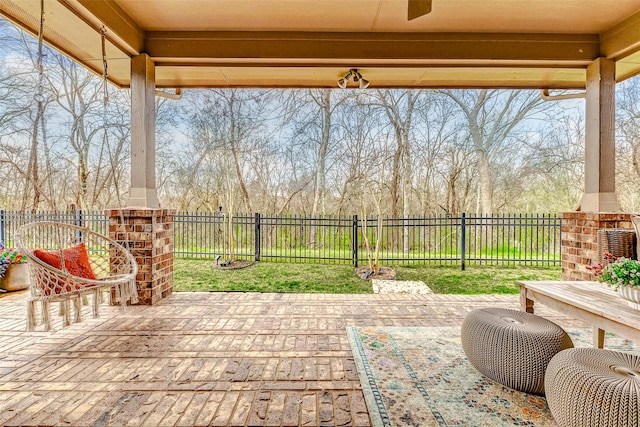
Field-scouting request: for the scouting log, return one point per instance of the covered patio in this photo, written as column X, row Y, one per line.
column 154, row 48
column 281, row 359
column 236, row 359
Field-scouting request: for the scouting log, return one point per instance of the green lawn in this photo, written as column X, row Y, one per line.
column 199, row 275
column 476, row 279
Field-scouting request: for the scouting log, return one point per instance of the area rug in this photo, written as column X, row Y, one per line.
column 419, row 376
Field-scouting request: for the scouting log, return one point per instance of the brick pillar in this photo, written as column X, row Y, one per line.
column 580, row 240
column 148, row 233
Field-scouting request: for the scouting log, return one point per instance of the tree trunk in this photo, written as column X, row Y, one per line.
column 320, row 180
column 33, row 170
column 486, row 199
column 400, row 118
column 407, row 176
column 233, row 141
column 243, row 186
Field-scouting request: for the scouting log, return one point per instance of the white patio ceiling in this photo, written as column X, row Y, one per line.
column 312, row 43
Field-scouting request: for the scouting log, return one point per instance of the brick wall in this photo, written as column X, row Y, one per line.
column 580, row 243
column 148, row 234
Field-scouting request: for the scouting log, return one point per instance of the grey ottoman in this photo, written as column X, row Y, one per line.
column 594, row 387
column 512, row 347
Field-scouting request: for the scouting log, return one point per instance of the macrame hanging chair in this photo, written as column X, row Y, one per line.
column 69, row 263
column 66, row 263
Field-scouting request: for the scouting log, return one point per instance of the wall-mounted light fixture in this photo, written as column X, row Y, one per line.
column 357, row 77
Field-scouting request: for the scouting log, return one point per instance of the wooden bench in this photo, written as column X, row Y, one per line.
column 593, row 302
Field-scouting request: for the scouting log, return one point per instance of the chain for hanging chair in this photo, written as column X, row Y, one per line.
column 105, row 65
column 38, row 97
column 132, row 293
column 105, row 115
column 40, row 90
column 39, row 122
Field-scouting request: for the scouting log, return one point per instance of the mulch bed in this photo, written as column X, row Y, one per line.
column 384, row 273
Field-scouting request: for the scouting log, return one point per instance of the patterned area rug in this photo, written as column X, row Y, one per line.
column 419, row 376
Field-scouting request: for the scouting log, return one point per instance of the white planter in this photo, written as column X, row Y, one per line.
column 15, row 278
column 631, row 294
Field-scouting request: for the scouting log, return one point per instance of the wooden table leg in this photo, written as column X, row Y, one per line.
column 598, row 337
column 526, row 304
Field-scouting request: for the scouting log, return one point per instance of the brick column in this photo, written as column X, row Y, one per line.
column 580, row 240
column 148, row 233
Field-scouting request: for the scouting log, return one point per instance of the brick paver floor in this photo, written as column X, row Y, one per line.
column 221, row 359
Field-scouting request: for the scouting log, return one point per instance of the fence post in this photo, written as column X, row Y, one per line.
column 257, row 237
column 79, row 218
column 2, row 225
column 354, row 240
column 463, row 239
column 78, row 221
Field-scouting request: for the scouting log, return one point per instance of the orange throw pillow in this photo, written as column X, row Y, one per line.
column 76, row 262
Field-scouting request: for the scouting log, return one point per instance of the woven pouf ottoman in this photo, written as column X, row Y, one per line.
column 512, row 347
column 594, row 387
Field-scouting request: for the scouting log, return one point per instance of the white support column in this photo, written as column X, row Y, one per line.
column 142, row 192
column 600, row 169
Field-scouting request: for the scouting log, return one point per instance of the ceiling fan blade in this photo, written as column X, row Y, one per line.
column 417, row 8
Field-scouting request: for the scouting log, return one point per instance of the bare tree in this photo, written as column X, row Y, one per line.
column 492, row 117
column 222, row 122
column 311, row 116
column 399, row 107
column 361, row 137
column 438, row 165
column 373, row 187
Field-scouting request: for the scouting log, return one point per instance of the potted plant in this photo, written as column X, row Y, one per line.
column 14, row 273
column 623, row 274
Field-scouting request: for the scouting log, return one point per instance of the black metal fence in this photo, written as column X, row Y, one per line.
column 528, row 239
column 10, row 221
